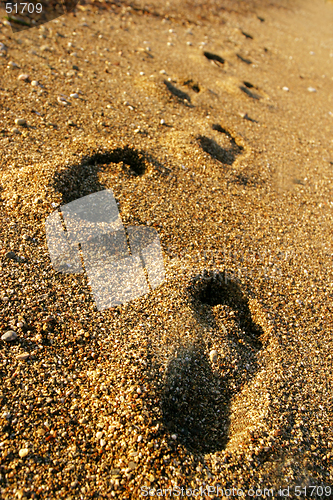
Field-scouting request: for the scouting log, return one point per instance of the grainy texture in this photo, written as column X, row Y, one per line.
column 214, row 126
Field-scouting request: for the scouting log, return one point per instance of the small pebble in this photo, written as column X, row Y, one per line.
column 312, row 89
column 213, row 356
column 24, row 452
column 23, row 76
column 12, row 65
column 75, row 95
column 11, row 255
column 286, row 89
column 20, row 121
column 162, row 122
column 3, row 47
column 99, row 435
column 23, row 356
column 174, row 436
column 15, row 130
column 62, row 100
column 9, row 336
column 34, row 83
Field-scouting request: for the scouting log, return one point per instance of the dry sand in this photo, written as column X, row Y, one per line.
column 214, row 126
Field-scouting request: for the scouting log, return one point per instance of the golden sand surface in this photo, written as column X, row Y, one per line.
column 212, row 123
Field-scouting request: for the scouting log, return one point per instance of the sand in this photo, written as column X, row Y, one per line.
column 211, row 125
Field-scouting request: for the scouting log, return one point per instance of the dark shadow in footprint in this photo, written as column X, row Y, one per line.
column 178, row 93
column 241, row 58
column 234, row 146
column 246, row 90
column 194, row 86
column 215, row 151
column 81, row 179
column 216, row 289
column 247, row 117
column 247, row 35
column 214, row 57
column 226, row 156
column 195, row 401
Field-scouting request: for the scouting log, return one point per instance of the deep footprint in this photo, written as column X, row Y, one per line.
column 215, row 58
column 197, row 390
column 182, row 96
column 195, row 401
column 224, row 155
column 245, row 88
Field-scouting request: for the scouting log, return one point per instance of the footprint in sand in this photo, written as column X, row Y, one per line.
column 198, row 387
column 227, row 149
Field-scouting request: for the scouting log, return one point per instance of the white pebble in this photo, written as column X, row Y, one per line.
column 162, row 122
column 74, row 96
column 9, row 336
column 139, row 390
column 6, row 23
column 174, row 436
column 312, row 89
column 23, row 356
column 24, row 452
column 286, row 89
column 62, row 100
column 213, row 356
column 34, row 83
column 142, row 73
column 102, row 442
column 23, row 76
column 189, row 43
column 12, row 65
column 163, row 72
column 99, row 435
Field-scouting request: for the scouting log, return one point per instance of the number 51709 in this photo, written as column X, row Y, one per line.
column 20, row 8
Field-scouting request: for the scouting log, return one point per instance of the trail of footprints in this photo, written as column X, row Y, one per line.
column 227, row 147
